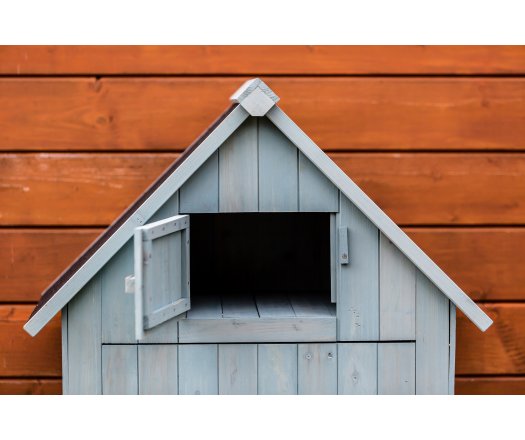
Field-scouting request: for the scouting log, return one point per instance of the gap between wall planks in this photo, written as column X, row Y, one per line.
column 72, row 114
column 495, row 352
column 93, row 189
column 261, row 60
column 89, row 114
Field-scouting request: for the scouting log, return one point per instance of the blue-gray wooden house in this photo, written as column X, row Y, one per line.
column 294, row 281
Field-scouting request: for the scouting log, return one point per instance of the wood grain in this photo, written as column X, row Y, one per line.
column 485, row 262
column 337, row 113
column 500, row 350
column 30, row 259
column 318, row 60
column 490, row 385
column 30, row 386
column 93, row 189
column 20, row 354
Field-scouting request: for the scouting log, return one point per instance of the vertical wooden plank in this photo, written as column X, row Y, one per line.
column 238, row 369
column 278, row 175
column 358, row 281
column 158, row 369
column 432, row 338
column 65, row 357
column 119, row 369
column 397, row 294
column 277, row 369
column 317, row 368
column 396, row 368
column 118, row 307
column 238, row 180
column 198, row 369
column 201, row 192
column 357, row 368
column 452, row 349
column 166, row 332
column 85, row 340
column 316, row 192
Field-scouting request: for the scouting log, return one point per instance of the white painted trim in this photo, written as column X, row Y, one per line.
column 255, row 96
column 144, row 212
column 378, row 217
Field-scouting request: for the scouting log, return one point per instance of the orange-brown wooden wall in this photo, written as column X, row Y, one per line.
column 435, row 135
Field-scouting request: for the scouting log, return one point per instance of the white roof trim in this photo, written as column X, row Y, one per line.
column 379, row 218
column 255, row 96
column 82, row 276
column 197, row 158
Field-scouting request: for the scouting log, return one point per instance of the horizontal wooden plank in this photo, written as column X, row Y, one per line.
column 337, row 113
column 257, row 330
column 317, row 60
column 20, row 354
column 500, row 350
column 490, row 385
column 78, row 189
column 30, row 259
column 30, row 386
column 485, row 262
column 93, row 189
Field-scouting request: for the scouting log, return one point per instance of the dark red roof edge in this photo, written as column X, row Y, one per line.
column 106, row 235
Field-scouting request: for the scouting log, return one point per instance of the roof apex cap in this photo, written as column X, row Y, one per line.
column 255, row 96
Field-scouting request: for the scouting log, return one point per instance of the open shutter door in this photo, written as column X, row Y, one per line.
column 162, row 272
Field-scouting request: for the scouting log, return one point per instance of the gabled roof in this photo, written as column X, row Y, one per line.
column 254, row 98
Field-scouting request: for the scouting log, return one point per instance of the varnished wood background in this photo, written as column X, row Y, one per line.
column 436, row 135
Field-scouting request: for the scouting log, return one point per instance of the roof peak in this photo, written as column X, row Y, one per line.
column 255, row 97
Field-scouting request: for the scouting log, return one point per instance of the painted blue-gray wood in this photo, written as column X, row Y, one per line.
column 168, row 331
column 432, row 338
column 238, row 169
column 396, row 368
column 274, row 306
column 452, row 349
column 277, row 369
column 397, row 294
column 317, row 368
column 349, row 189
column 238, row 369
column 158, row 369
column 198, row 369
column 162, row 194
column 205, row 308
column 255, row 96
column 316, row 192
column 118, row 307
column 65, row 356
column 278, row 174
column 165, row 270
column 257, row 330
column 358, row 284
column 306, row 307
column 357, row 368
column 85, row 340
column 119, row 369
column 201, row 192
column 239, row 307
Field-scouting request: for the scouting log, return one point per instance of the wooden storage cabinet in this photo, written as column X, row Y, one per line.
column 309, row 368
